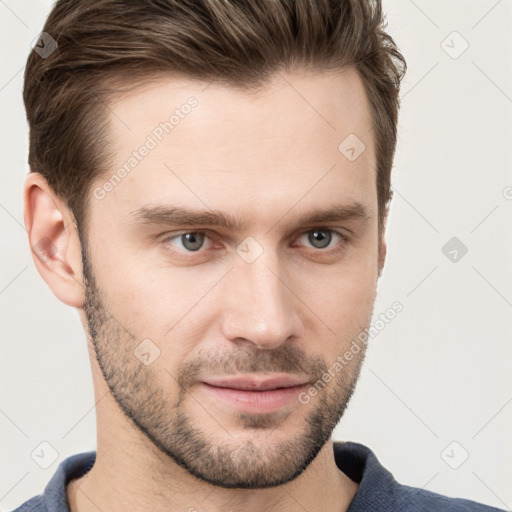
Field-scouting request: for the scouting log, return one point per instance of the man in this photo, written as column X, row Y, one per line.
column 209, row 187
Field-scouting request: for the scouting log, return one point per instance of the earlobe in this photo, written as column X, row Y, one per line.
column 54, row 240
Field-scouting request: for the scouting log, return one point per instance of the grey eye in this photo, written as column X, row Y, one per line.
column 320, row 238
column 192, row 241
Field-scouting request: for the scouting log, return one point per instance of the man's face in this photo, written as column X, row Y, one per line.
column 195, row 326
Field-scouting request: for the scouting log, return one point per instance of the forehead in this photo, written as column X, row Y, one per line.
column 301, row 137
column 337, row 99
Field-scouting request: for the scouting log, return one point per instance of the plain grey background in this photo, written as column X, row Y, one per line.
column 435, row 397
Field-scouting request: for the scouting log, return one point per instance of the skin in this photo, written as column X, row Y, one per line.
column 266, row 158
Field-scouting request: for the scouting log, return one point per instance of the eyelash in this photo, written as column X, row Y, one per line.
column 344, row 240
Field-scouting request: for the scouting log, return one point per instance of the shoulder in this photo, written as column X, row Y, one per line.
column 423, row 501
column 379, row 491
column 54, row 497
column 35, row 504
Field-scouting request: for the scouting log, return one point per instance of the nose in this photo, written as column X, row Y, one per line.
column 261, row 308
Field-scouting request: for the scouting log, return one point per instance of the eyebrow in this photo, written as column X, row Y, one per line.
column 175, row 215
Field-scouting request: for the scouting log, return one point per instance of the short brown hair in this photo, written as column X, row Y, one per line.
column 106, row 47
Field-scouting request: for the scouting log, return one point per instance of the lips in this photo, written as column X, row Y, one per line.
column 257, row 383
column 257, row 394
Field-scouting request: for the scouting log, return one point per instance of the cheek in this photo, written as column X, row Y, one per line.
column 161, row 303
column 342, row 296
column 345, row 309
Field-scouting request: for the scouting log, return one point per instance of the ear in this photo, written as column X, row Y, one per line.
column 54, row 241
